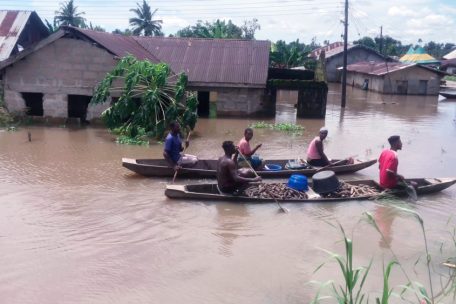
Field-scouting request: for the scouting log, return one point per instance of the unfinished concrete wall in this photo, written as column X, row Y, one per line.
column 388, row 84
column 353, row 56
column 240, row 101
column 66, row 66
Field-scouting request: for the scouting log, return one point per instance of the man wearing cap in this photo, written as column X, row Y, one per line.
column 388, row 163
column 315, row 154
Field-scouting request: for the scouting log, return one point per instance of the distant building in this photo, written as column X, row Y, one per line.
column 57, row 76
column 449, row 66
column 419, row 56
column 395, row 78
column 450, row 55
column 19, row 30
column 355, row 53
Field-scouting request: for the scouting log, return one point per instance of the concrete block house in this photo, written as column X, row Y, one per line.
column 395, row 78
column 334, row 54
column 57, row 76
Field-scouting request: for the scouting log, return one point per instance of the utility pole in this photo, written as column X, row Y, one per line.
column 381, row 40
column 344, row 71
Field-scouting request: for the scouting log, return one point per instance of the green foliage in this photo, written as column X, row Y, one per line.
column 150, row 99
column 450, row 78
column 284, row 127
column 221, row 29
column 297, row 84
column 290, row 55
column 354, row 278
column 126, row 32
column 69, row 15
column 144, row 23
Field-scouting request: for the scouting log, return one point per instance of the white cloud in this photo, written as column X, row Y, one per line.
column 401, row 11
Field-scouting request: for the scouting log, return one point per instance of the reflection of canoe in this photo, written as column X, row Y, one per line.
column 448, row 95
column 210, row 191
column 207, row 168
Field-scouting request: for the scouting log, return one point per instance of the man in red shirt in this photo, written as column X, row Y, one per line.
column 388, row 163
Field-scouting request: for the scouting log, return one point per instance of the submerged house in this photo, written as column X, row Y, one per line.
column 450, row 55
column 395, row 78
column 19, row 30
column 57, row 76
column 355, row 53
column 449, row 66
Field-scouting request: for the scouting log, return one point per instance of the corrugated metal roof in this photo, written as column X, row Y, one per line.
column 450, row 55
column 418, row 55
column 11, row 25
column 327, row 48
column 227, row 61
column 119, row 45
column 383, row 68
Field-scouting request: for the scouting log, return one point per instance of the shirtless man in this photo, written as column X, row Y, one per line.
column 315, row 154
column 229, row 179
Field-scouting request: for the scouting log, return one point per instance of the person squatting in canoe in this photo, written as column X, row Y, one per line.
column 173, row 148
column 388, row 163
column 247, row 151
column 315, row 152
column 229, row 179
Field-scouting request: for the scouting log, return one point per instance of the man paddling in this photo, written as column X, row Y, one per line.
column 229, row 179
column 246, row 150
column 388, row 164
column 173, row 148
column 315, row 154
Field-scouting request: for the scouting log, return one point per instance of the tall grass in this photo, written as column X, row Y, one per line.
column 350, row 291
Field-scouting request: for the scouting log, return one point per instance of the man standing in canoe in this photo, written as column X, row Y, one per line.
column 315, row 154
column 229, row 179
column 173, row 148
column 388, row 163
column 245, row 149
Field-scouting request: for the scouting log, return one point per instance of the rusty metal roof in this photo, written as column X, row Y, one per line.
column 12, row 24
column 383, row 68
column 118, row 45
column 213, row 61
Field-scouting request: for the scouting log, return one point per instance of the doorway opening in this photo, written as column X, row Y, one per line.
column 34, row 103
column 77, row 106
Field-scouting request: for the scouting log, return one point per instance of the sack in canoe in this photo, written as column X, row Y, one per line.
column 187, row 160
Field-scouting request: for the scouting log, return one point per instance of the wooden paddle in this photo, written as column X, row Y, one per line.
column 410, row 190
column 282, row 209
column 177, row 170
column 335, row 163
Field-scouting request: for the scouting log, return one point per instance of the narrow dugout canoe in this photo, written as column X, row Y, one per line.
column 448, row 95
column 210, row 191
column 205, row 168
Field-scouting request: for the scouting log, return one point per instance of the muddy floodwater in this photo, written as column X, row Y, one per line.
column 76, row 227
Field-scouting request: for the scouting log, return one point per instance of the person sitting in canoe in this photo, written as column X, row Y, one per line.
column 173, row 148
column 388, row 163
column 315, row 154
column 229, row 179
column 246, row 150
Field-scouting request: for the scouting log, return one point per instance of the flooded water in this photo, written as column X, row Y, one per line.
column 76, row 227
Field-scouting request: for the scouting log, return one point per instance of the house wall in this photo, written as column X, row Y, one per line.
column 237, row 101
column 353, row 56
column 65, row 66
column 388, row 84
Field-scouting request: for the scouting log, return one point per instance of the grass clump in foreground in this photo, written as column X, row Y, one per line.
column 352, row 291
column 284, row 127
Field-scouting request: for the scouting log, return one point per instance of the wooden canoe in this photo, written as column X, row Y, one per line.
column 207, row 168
column 448, row 95
column 210, row 191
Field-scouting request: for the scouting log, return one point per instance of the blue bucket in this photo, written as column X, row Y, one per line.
column 255, row 160
column 273, row 167
column 298, row 182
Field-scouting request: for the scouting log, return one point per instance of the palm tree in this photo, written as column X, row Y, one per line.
column 68, row 15
column 143, row 22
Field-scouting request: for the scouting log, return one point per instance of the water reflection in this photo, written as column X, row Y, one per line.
column 75, row 226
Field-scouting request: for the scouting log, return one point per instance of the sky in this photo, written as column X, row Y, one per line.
column 406, row 20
